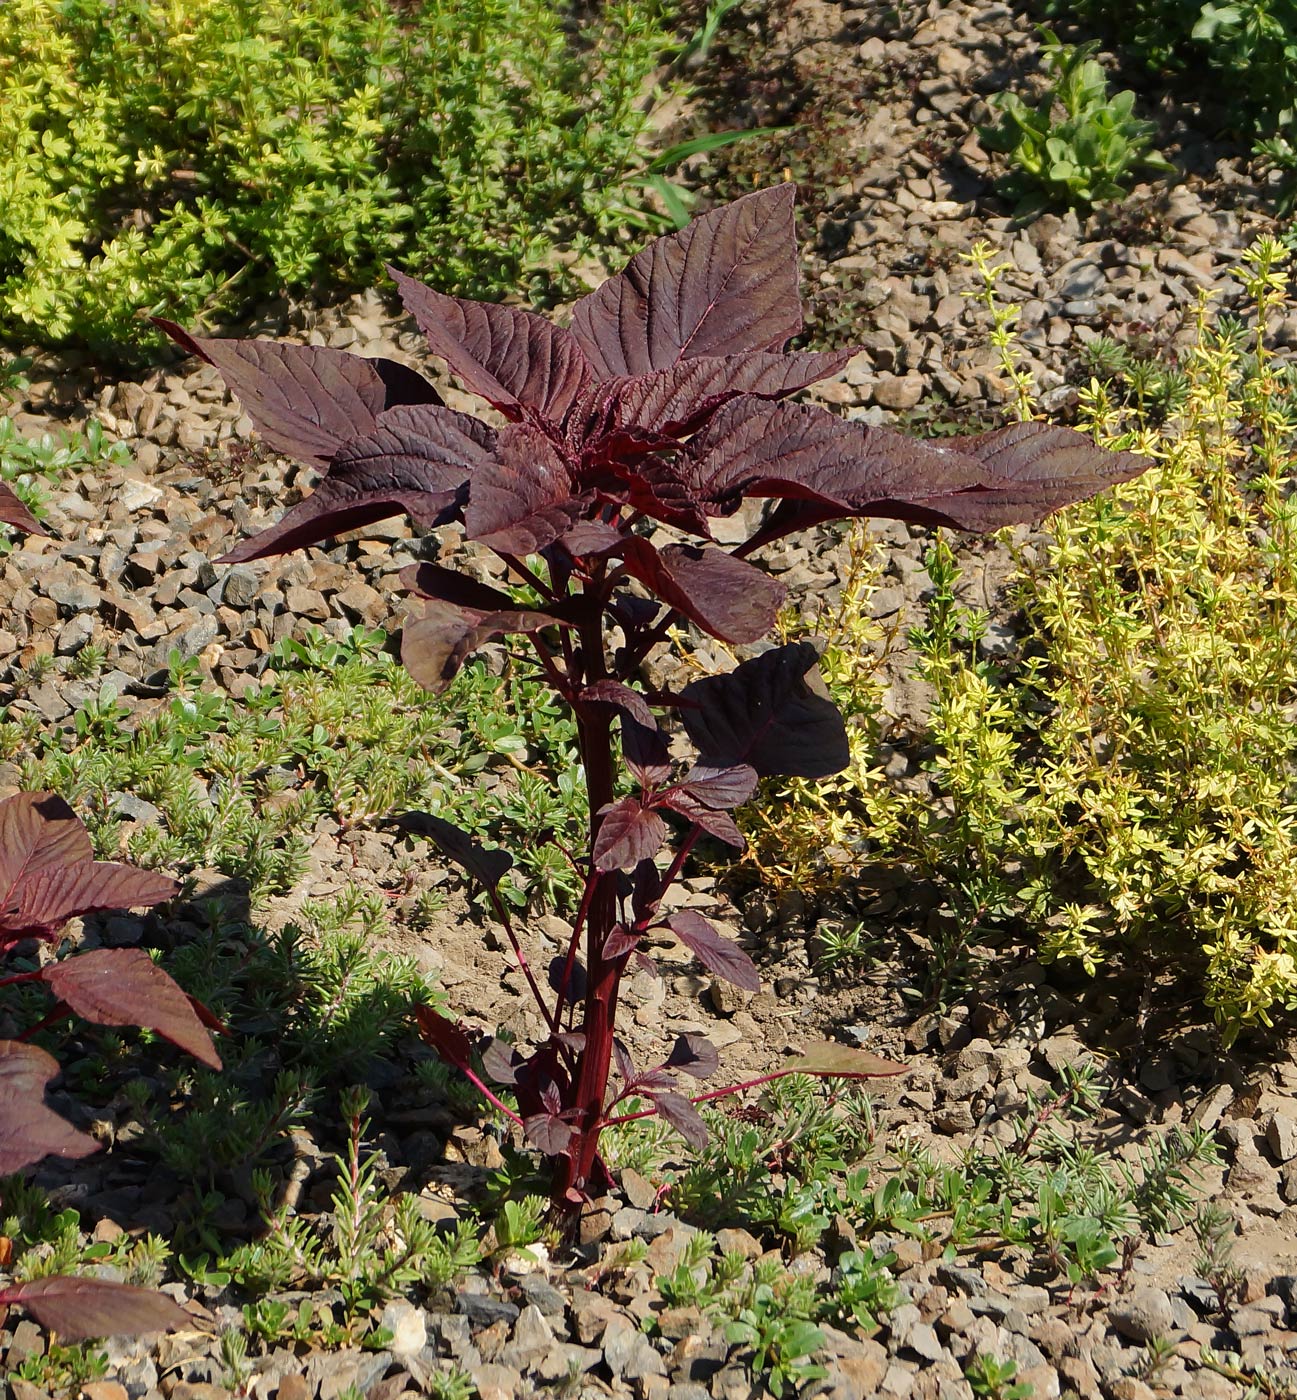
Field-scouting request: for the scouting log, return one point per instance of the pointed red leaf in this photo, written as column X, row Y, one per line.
column 78, row 1308
column 725, row 285
column 48, row 872
column 440, row 637
column 624, row 698
column 48, row 899
column 307, row 400
column 124, row 987
column 726, row 597
column 683, row 1117
column 38, row 830
column 14, row 512
column 619, row 942
column 508, row 356
column 717, row 954
column 451, row 586
column 589, row 538
column 445, row 1037
column 488, row 867
column 501, row 1061
column 625, row 1065
column 29, row 1130
column 547, row 1133
column 722, row 788
column 694, row 1055
column 1033, row 469
column 645, row 752
column 831, row 468
column 417, row 461
column 673, row 401
column 835, row 1061
column 628, row 834
column 718, row 824
column 770, row 712
column 523, row 500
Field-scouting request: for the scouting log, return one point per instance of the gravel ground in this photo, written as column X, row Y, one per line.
column 132, row 571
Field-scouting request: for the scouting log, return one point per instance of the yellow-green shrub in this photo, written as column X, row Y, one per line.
column 1128, row 791
column 804, row 835
column 188, row 155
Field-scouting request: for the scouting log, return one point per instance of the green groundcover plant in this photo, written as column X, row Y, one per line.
column 1239, row 54
column 1079, row 144
column 663, row 406
column 190, row 156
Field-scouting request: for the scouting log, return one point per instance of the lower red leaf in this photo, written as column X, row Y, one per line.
column 78, row 1308
column 125, row 987
column 29, row 1130
column 445, row 1037
column 717, row 954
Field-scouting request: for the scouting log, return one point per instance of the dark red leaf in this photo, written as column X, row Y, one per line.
column 13, row 512
column 501, row 1061
column 834, row 1061
column 725, row 285
column 48, row 899
column 48, row 873
column 124, row 987
column 830, row 468
column 417, row 462
column 508, row 356
column 768, row 712
column 437, row 639
column 723, row 595
column 722, row 788
column 716, row 953
column 574, row 989
column 523, row 500
column 307, row 401
column 624, row 698
column 718, row 824
column 78, row 1308
column 1035, row 468
column 29, row 1130
column 674, row 401
column 628, row 834
column 547, row 1133
column 625, row 1065
column 590, row 538
column 445, row 1037
column 694, row 1055
column 683, row 1117
column 655, row 488
column 488, row 867
column 38, row 830
column 619, row 942
column 645, row 752
column 655, row 1081
column 450, row 586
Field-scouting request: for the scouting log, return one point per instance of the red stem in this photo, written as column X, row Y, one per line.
column 603, row 976
column 703, row 1098
column 551, row 1017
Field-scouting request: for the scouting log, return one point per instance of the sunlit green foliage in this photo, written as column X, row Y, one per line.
column 188, row 156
